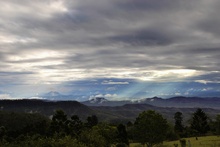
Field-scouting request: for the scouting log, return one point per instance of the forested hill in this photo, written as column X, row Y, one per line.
column 130, row 111
column 46, row 108
column 125, row 113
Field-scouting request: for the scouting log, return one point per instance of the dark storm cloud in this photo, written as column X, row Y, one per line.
column 86, row 24
column 144, row 37
column 149, row 5
column 210, row 23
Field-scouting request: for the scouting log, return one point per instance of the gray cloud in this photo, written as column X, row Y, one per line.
column 144, row 37
column 68, row 40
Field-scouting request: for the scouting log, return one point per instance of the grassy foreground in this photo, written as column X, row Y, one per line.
column 208, row 141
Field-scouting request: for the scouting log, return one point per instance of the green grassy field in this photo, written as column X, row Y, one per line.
column 208, row 141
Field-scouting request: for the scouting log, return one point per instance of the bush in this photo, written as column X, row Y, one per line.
column 183, row 142
column 121, row 145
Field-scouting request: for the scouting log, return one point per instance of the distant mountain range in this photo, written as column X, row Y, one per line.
column 112, row 111
column 176, row 102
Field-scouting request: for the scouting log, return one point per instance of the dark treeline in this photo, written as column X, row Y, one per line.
column 150, row 128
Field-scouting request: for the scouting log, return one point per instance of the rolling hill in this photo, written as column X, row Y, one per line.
column 113, row 114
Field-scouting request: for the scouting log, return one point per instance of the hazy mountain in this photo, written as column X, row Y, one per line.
column 100, row 101
column 177, row 102
column 97, row 100
column 52, row 94
column 56, row 96
column 183, row 102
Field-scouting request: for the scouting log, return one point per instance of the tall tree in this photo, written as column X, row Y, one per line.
column 217, row 125
column 150, row 128
column 122, row 136
column 199, row 122
column 2, row 132
column 178, row 123
column 75, row 126
column 59, row 122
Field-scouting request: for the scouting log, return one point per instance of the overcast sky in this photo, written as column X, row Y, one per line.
column 47, row 44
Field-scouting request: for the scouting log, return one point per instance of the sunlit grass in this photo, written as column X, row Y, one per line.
column 208, row 141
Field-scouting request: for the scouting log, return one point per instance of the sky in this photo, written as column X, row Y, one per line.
column 118, row 49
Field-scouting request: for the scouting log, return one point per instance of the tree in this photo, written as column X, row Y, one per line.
column 59, row 122
column 150, row 128
column 101, row 135
column 92, row 138
column 92, row 121
column 199, row 122
column 129, row 128
column 178, row 127
column 171, row 134
column 122, row 136
column 217, row 125
column 2, row 132
column 17, row 123
column 178, row 122
column 75, row 126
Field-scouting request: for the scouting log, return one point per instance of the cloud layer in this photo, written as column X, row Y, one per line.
column 50, row 43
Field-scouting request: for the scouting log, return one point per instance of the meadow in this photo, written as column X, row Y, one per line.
column 207, row 141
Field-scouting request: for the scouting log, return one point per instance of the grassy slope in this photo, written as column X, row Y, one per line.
column 208, row 141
